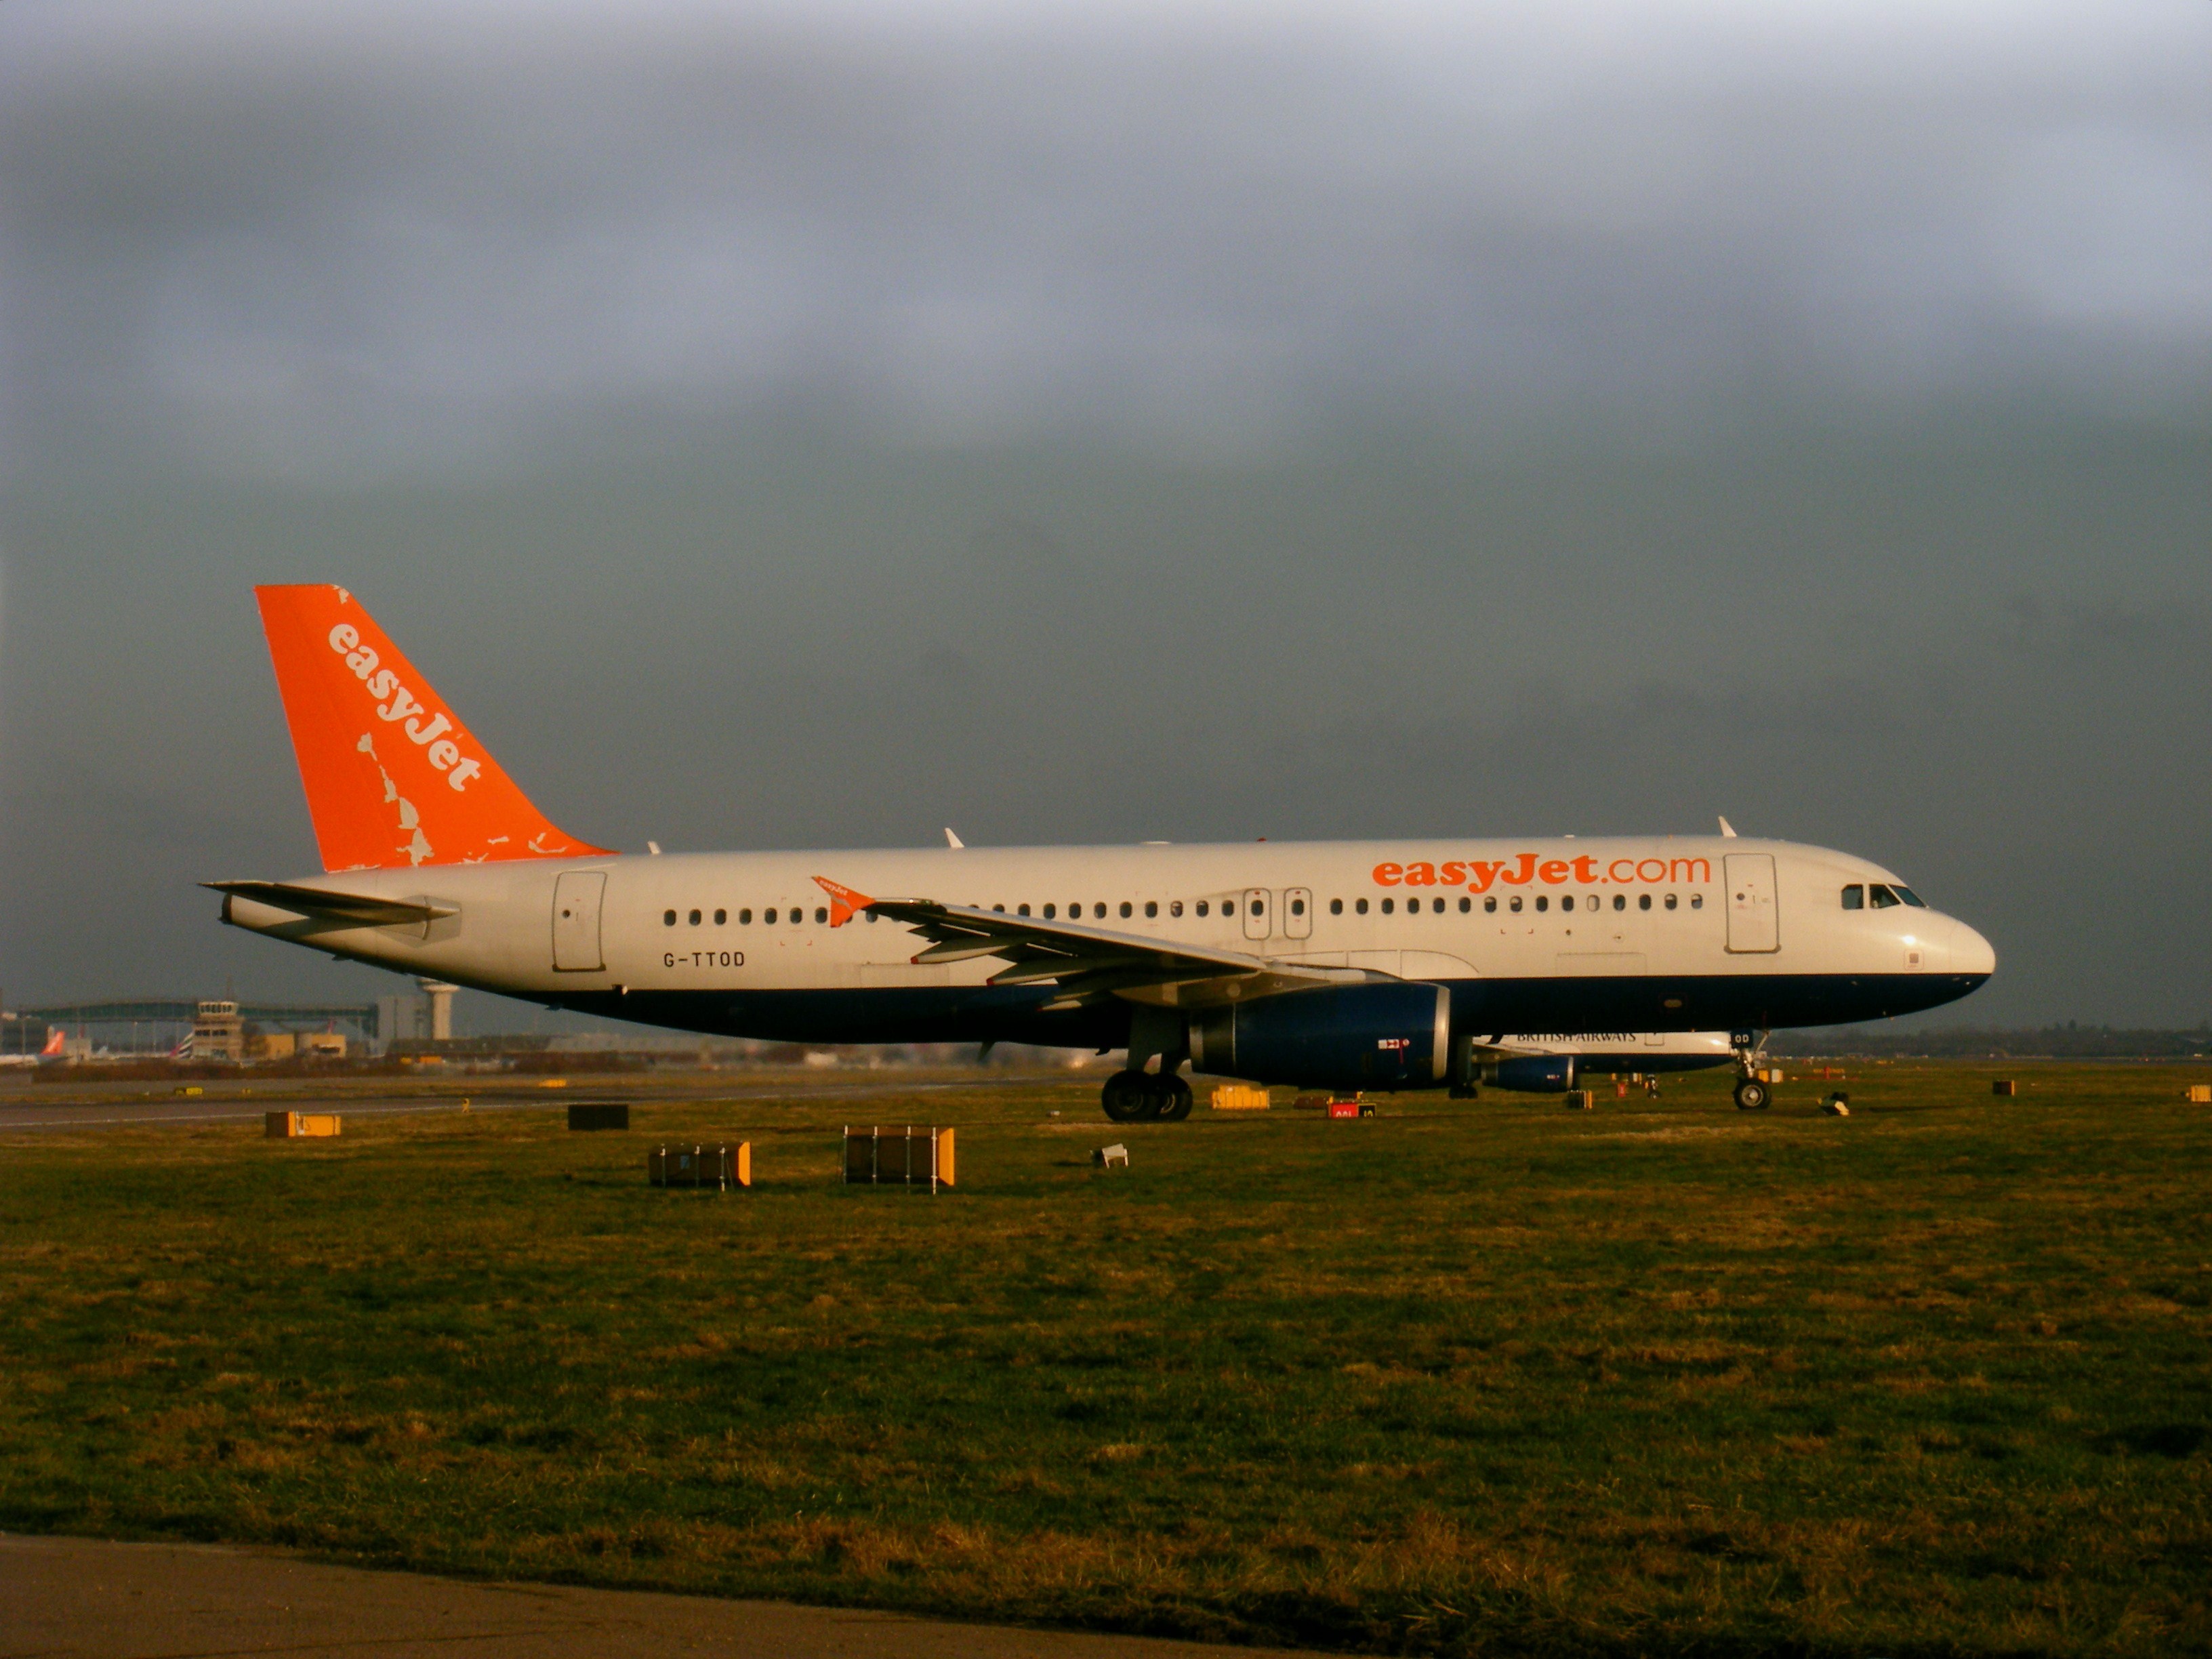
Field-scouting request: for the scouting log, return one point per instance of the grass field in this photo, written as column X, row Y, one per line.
column 1481, row 1377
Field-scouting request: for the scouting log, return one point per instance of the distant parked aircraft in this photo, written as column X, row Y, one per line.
column 1551, row 1061
column 52, row 1051
column 1380, row 965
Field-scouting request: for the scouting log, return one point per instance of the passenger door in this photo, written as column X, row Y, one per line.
column 576, row 898
column 1752, row 925
column 1257, row 923
column 1297, row 912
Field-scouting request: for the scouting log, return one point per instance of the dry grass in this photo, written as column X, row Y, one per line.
column 1487, row 1378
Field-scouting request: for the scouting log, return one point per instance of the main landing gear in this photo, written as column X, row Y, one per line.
column 1145, row 1097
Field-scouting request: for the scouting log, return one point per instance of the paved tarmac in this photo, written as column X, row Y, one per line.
column 48, row 1107
column 92, row 1600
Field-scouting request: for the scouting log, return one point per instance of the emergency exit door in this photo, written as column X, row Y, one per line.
column 1256, row 922
column 576, row 897
column 1752, row 925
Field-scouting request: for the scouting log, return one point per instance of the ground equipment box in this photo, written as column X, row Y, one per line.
column 719, row 1167
column 1239, row 1097
column 294, row 1126
column 907, row 1156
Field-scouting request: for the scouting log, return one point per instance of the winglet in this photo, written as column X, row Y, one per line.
column 953, row 841
column 1728, row 829
column 844, row 903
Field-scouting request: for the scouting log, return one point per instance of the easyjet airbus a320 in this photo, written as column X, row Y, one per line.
column 1380, row 965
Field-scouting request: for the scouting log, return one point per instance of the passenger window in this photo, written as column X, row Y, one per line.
column 1297, row 907
column 1911, row 897
column 1882, row 897
column 721, row 918
column 1854, row 896
column 1021, row 910
column 768, row 916
column 1436, row 905
column 695, row 918
column 1696, row 901
column 746, row 917
column 1099, row 911
column 1465, row 904
column 1620, row 901
column 1516, row 902
column 1336, row 906
column 1152, row 909
column 1543, row 900
column 1126, row 910
column 1670, row 901
column 1000, row 908
column 1229, row 907
column 1258, row 906
column 1175, row 907
column 668, row 918
column 1201, row 906
column 1490, row 905
column 1389, row 906
column 1050, row 911
column 1567, row 901
column 1643, row 901
column 1360, row 905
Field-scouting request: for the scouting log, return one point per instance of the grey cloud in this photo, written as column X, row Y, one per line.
column 362, row 246
column 818, row 424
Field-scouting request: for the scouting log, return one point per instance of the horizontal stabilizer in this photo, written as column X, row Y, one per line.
column 360, row 909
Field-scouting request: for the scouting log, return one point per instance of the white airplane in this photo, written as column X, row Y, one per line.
column 1550, row 1062
column 55, row 1037
column 1374, row 965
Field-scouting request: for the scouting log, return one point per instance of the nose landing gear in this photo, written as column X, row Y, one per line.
column 1752, row 1094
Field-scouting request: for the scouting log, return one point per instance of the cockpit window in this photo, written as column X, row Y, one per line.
column 1882, row 897
column 1854, row 896
column 1911, row 897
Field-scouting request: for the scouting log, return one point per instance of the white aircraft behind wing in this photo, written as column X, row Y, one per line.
column 1549, row 1062
column 1377, row 965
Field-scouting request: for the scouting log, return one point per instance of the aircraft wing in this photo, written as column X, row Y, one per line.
column 356, row 909
column 1083, row 963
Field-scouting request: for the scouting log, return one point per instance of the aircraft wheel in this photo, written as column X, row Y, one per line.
column 1751, row 1095
column 1174, row 1098
column 1128, row 1097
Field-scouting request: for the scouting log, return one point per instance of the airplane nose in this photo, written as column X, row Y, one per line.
column 1970, row 952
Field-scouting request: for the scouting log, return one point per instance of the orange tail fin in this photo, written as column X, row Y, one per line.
column 392, row 776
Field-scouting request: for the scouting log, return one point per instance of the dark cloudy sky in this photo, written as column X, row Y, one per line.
column 814, row 424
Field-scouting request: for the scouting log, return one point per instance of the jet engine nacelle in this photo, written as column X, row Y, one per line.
column 1533, row 1074
column 1348, row 1036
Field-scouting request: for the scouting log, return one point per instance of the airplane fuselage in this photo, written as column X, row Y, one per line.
column 1634, row 934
